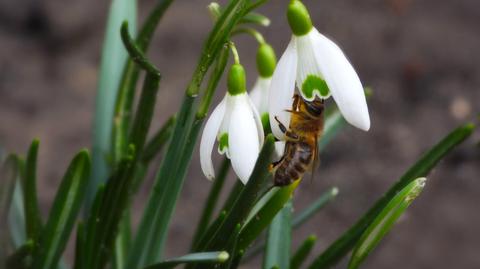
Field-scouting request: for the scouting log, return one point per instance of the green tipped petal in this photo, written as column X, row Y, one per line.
column 299, row 18
column 236, row 80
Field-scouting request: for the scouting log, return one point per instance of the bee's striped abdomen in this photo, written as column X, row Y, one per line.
column 297, row 159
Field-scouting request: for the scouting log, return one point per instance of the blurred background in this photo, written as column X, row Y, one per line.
column 420, row 57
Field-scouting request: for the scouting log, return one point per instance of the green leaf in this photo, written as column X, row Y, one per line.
column 158, row 141
column 302, row 252
column 119, row 187
column 79, row 246
column 264, row 212
column 279, row 237
column 16, row 217
column 113, row 59
column 384, row 222
column 297, row 221
column 63, row 214
column 233, row 195
column 314, row 207
column 9, row 172
column 211, row 201
column 420, row 169
column 246, row 200
column 32, row 212
column 201, row 257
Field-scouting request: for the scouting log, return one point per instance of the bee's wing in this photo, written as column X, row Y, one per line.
column 316, row 160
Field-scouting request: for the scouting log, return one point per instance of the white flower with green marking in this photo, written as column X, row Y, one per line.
column 236, row 125
column 318, row 68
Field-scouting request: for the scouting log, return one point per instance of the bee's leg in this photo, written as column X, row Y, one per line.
column 290, row 136
column 296, row 102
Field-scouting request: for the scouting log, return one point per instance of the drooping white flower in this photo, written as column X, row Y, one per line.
column 237, row 126
column 318, row 67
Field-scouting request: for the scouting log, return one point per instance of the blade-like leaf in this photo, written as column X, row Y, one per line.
column 32, row 213
column 314, row 207
column 158, row 141
column 211, row 201
column 66, row 207
column 9, row 172
column 201, row 257
column 119, row 187
column 279, row 237
column 264, row 212
column 114, row 57
column 245, row 201
column 297, row 221
column 420, row 169
column 384, row 222
column 302, row 252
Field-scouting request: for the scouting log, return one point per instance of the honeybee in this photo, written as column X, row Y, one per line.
column 306, row 126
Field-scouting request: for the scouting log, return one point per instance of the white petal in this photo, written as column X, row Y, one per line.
column 279, row 150
column 258, row 121
column 343, row 82
column 260, row 94
column 282, row 88
column 307, row 63
column 208, row 139
column 243, row 138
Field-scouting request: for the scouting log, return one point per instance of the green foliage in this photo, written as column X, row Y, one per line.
column 201, row 257
column 279, row 237
column 420, row 169
column 65, row 209
column 384, row 222
column 302, row 252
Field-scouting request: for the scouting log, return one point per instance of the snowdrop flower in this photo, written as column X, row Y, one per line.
column 266, row 61
column 319, row 68
column 236, row 125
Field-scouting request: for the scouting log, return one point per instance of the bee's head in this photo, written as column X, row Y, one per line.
column 314, row 108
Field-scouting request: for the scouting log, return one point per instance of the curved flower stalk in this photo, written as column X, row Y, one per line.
column 237, row 126
column 319, row 68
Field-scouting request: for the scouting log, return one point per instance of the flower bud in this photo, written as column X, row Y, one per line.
column 266, row 60
column 299, row 18
column 236, row 80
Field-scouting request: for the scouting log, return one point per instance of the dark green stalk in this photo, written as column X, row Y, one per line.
column 62, row 217
column 32, row 212
column 211, row 201
column 302, row 252
column 118, row 188
column 420, row 169
column 314, row 207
